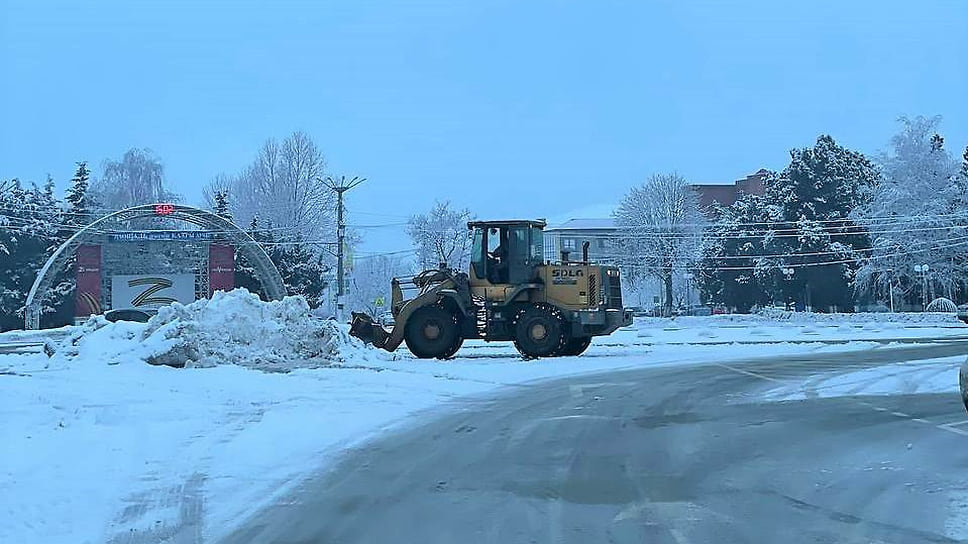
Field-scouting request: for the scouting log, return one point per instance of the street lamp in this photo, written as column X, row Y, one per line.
column 890, row 288
column 922, row 270
column 788, row 276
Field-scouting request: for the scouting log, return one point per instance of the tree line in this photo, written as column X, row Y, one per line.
column 833, row 230
column 279, row 198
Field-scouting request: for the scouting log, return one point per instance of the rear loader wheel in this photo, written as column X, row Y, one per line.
column 432, row 332
column 576, row 346
column 539, row 332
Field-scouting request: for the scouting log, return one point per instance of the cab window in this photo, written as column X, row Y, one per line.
column 477, row 254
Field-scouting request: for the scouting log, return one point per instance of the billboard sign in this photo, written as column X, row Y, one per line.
column 87, row 294
column 221, row 268
column 148, row 291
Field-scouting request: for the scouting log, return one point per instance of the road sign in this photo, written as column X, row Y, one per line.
column 380, row 302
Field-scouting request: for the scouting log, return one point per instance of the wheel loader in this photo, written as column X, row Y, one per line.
column 509, row 294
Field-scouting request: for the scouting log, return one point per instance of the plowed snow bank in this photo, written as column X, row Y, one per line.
column 232, row 328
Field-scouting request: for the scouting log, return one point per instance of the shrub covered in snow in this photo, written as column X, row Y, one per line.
column 232, row 328
column 942, row 305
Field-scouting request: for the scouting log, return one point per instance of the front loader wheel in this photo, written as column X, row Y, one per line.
column 458, row 342
column 432, row 332
column 576, row 346
column 539, row 332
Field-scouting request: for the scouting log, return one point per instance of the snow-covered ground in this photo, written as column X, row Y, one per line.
column 792, row 327
column 908, row 378
column 96, row 444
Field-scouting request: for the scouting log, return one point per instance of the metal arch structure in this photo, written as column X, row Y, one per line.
column 265, row 270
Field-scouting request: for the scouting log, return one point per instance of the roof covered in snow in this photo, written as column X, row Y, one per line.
column 585, row 224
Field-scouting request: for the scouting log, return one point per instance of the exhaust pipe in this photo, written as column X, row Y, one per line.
column 584, row 251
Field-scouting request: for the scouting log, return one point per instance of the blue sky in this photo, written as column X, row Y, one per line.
column 512, row 108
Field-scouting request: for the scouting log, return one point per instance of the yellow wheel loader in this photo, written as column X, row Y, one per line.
column 509, row 294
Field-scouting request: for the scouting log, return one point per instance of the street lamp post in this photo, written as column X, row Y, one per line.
column 922, row 270
column 689, row 276
column 788, row 276
column 890, row 288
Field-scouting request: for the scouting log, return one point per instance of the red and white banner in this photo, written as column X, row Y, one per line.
column 221, row 268
column 87, row 293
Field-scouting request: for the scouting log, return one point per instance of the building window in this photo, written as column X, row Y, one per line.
column 568, row 244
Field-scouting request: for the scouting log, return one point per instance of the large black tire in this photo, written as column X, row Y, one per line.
column 576, row 346
column 453, row 349
column 539, row 332
column 432, row 332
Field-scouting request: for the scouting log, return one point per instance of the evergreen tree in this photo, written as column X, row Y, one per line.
column 303, row 271
column 735, row 271
column 48, row 194
column 29, row 232
column 78, row 199
column 807, row 248
column 222, row 206
column 964, row 164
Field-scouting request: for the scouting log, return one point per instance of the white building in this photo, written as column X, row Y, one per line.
column 572, row 234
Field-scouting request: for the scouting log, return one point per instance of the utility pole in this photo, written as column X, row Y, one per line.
column 339, row 186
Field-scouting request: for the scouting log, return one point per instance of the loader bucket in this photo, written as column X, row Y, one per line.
column 364, row 328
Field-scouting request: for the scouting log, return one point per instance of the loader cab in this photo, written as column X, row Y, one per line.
column 506, row 252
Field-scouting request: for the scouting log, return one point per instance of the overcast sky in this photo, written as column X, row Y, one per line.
column 513, row 108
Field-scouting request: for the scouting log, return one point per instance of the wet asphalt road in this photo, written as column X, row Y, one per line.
column 666, row 455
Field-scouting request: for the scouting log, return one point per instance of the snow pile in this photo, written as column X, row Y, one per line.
column 232, row 328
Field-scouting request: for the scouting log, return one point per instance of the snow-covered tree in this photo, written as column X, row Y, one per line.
column 283, row 198
column 736, row 271
column 283, row 185
column 221, row 207
column 30, row 229
column 964, row 164
column 370, row 281
column 78, row 199
column 138, row 178
column 303, row 270
column 441, row 236
column 818, row 191
column 797, row 243
column 916, row 217
column 660, row 226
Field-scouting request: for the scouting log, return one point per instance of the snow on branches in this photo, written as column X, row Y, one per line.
column 441, row 236
column 660, row 228
column 916, row 216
